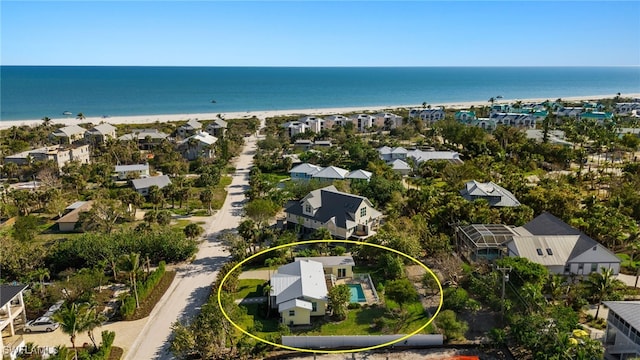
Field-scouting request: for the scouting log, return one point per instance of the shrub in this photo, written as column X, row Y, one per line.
column 128, row 307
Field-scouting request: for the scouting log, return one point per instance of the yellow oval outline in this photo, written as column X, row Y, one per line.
column 219, row 292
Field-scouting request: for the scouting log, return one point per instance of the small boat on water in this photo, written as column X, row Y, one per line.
column 67, row 113
column 213, row 101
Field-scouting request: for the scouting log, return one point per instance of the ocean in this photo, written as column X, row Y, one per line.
column 33, row 92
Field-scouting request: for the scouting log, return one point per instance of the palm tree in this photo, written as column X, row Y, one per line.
column 206, row 197
column 266, row 291
column 492, row 100
column 46, row 121
column 41, row 274
column 603, row 286
column 92, row 320
column 71, row 322
column 131, row 264
column 80, row 116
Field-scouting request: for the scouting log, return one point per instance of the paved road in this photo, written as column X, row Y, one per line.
column 192, row 284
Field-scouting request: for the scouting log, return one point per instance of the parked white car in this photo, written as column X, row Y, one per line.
column 42, row 323
column 55, row 307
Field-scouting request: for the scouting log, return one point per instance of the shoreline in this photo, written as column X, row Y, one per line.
column 261, row 114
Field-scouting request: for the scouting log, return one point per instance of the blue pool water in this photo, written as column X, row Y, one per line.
column 357, row 295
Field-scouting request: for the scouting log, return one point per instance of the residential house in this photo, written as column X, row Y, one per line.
column 338, row 266
column 303, row 144
column 465, row 116
column 343, row 214
column 400, row 166
column 12, row 313
column 304, row 171
column 60, row 155
column 142, row 185
column 308, row 171
column 190, row 128
column 514, row 119
column 495, row 195
column 625, row 109
column 100, row 133
column 322, row 144
column 299, row 291
column 315, row 124
column 622, row 337
column 562, row 249
column 199, row 145
column 68, row 134
column 330, row 173
column 555, row 137
column 295, row 127
column 387, row 121
column 362, row 122
column 568, row 111
column 359, row 175
column 390, row 154
column 217, row 128
column 419, row 156
column 146, row 138
column 500, row 108
column 335, row 120
column 598, row 116
column 134, row 171
column 428, row 115
column 71, row 215
column 484, row 123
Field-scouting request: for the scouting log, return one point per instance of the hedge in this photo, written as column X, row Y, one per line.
column 128, row 307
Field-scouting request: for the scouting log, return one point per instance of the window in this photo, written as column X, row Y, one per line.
column 314, row 306
column 307, row 208
column 292, row 313
column 342, row 273
column 594, row 267
column 580, row 268
column 549, row 252
column 363, row 212
column 539, row 251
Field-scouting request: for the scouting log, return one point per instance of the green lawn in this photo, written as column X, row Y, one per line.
column 256, row 322
column 363, row 322
column 249, row 288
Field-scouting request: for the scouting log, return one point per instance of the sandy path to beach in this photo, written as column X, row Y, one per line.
column 146, row 119
column 192, row 284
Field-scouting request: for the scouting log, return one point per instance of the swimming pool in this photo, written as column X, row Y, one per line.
column 357, row 295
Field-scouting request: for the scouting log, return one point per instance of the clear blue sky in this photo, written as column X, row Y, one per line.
column 302, row 33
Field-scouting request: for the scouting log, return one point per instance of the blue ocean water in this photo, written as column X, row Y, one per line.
column 32, row 92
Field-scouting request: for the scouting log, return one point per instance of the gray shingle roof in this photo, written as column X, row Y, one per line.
column 8, row 292
column 330, row 203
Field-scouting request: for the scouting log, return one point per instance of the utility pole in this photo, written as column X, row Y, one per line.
column 505, row 277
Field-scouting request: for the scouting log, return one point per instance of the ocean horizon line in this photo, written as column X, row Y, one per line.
column 333, row 66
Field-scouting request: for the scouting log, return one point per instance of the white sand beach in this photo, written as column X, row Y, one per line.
column 146, row 119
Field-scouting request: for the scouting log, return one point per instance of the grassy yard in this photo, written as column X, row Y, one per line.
column 249, row 288
column 255, row 321
column 375, row 320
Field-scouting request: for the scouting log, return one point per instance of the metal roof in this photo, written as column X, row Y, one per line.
column 294, row 303
column 8, row 292
column 629, row 311
column 330, row 260
column 134, row 167
column 496, row 195
column 302, row 278
column 546, row 250
column 331, row 172
column 159, row 181
column 306, row 168
column 359, row 174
